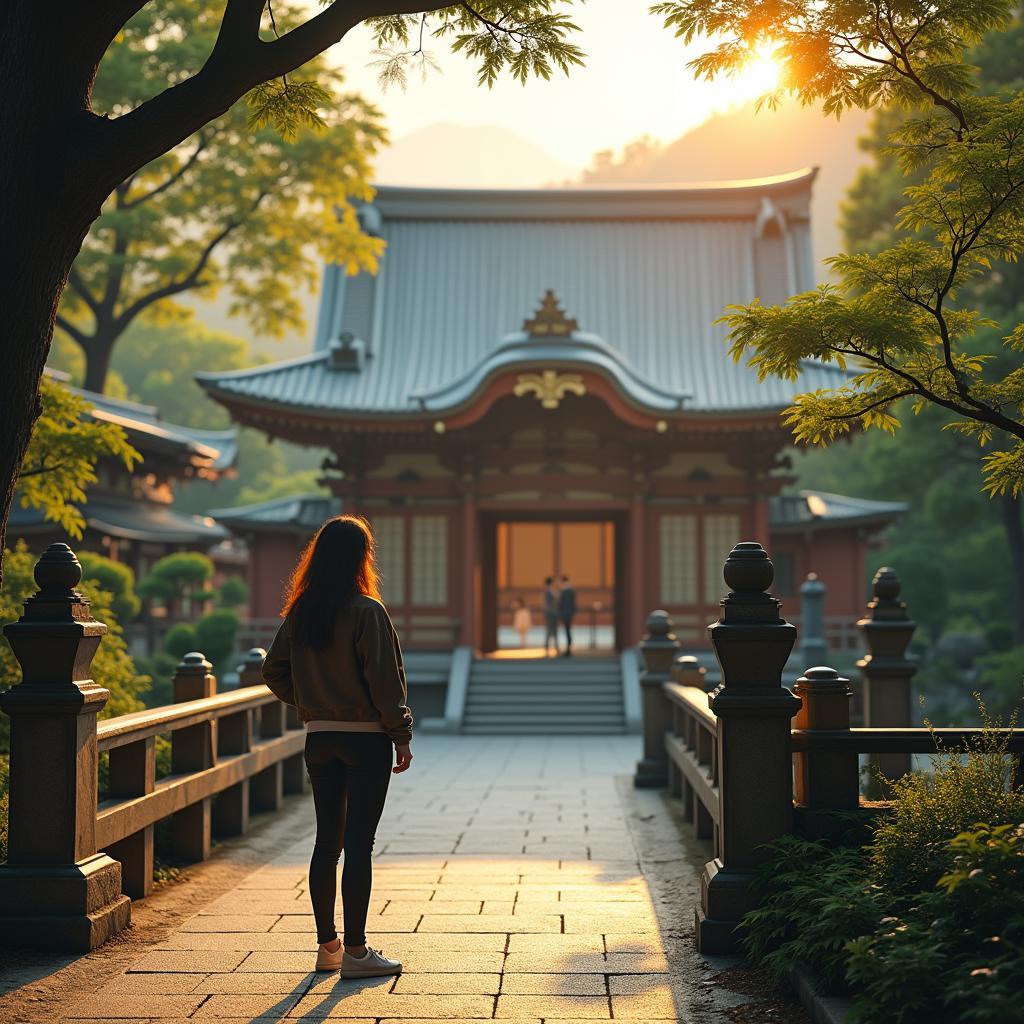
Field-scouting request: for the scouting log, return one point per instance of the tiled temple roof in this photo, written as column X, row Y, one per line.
column 809, row 508
column 645, row 272
column 129, row 520
column 302, row 513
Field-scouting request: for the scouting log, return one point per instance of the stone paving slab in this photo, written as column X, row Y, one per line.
column 506, row 880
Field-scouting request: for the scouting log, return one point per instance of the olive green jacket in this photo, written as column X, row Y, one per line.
column 360, row 677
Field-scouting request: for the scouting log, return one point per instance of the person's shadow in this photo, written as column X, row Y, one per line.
column 334, row 988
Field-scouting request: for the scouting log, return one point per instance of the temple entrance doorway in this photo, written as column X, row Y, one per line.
column 521, row 553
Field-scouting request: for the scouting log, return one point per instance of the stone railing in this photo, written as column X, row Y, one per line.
column 750, row 754
column 74, row 864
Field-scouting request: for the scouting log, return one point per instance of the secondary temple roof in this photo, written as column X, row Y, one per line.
column 643, row 272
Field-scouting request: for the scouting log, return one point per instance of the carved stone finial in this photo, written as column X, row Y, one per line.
column 550, row 320
column 58, row 571
column 886, row 585
column 659, row 624
column 193, row 663
column 748, row 568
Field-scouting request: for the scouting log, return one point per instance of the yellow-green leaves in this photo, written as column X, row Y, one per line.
column 62, row 454
column 288, row 106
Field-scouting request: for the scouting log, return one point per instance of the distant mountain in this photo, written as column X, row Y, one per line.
column 747, row 144
column 462, row 156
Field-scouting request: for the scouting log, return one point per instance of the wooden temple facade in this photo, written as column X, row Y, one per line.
column 534, row 383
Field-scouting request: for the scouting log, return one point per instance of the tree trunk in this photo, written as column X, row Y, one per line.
column 46, row 206
column 98, row 351
column 1015, row 543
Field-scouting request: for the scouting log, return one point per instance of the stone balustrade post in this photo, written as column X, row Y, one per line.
column 57, row 892
column 755, row 766
column 250, row 672
column 887, row 630
column 813, row 647
column 657, row 651
column 193, row 749
column 825, row 780
column 688, row 671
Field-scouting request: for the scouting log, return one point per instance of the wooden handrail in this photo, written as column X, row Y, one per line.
column 138, row 725
column 896, row 741
column 693, row 701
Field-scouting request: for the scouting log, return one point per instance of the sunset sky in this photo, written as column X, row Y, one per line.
column 635, row 83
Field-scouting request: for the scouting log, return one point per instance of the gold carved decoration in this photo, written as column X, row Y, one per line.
column 549, row 386
column 550, row 320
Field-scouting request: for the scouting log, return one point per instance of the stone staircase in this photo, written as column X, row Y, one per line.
column 545, row 696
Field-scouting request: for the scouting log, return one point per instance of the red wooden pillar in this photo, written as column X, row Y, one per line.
column 468, row 635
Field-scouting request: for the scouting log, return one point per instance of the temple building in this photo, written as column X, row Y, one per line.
column 535, row 383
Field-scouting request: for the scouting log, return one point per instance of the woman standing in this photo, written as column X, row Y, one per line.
column 337, row 660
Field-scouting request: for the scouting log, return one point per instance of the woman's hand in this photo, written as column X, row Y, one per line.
column 403, row 758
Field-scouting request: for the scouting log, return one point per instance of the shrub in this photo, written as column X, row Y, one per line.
column 232, row 593
column 4, row 765
column 910, row 848
column 174, row 575
column 215, row 634
column 116, row 579
column 957, row 951
column 814, row 899
column 180, row 640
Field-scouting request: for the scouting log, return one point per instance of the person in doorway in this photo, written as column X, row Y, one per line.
column 338, row 661
column 567, row 611
column 521, row 620
column 550, row 616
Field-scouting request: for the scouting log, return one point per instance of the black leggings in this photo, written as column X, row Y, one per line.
column 350, row 772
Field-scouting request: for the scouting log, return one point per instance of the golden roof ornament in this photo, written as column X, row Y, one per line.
column 550, row 320
column 549, row 386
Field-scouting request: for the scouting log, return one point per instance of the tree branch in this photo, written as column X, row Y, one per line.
column 239, row 61
column 78, row 286
column 182, row 170
column 72, row 332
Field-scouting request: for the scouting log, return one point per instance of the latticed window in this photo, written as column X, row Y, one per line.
column 678, row 550
column 721, row 534
column 429, row 560
column 389, row 532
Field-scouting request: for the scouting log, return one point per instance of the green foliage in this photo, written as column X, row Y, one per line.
column 176, row 576
column 897, row 319
column 956, row 953
column 965, row 786
column 112, row 667
column 215, row 635
column 155, row 364
column 522, row 37
column 117, row 579
column 813, row 898
column 180, row 640
column 232, row 593
column 4, row 785
column 256, row 198
column 62, row 454
column 267, row 486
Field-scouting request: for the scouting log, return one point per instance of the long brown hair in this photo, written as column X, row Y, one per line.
column 336, row 565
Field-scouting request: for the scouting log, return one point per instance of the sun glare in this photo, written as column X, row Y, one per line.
column 759, row 75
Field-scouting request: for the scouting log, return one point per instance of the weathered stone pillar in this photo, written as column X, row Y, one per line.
column 887, row 630
column 813, row 648
column 688, row 671
column 657, row 650
column 825, row 780
column 57, row 893
column 193, row 749
column 752, row 644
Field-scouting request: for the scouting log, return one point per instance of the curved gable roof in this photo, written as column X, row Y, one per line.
column 647, row 270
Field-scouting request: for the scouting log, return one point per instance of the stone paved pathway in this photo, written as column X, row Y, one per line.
column 506, row 880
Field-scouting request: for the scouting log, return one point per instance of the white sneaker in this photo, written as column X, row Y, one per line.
column 328, row 961
column 370, row 965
